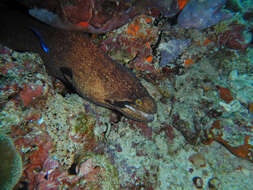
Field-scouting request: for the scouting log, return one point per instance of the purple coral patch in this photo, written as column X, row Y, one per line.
column 202, row 14
column 171, row 50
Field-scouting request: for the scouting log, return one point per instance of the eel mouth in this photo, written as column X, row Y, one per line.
column 141, row 109
column 144, row 112
column 138, row 114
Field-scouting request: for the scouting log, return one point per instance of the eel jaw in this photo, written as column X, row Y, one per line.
column 143, row 112
column 139, row 115
column 140, row 109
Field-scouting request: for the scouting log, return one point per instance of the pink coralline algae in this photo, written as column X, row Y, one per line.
column 52, row 176
column 39, row 147
column 202, row 14
column 30, row 93
column 46, row 179
column 42, row 171
column 14, row 69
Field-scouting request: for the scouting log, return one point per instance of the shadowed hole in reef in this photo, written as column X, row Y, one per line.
column 23, row 185
column 173, row 20
column 72, row 169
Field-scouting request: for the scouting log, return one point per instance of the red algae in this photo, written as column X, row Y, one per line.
column 233, row 37
column 225, row 94
column 215, row 134
column 30, row 93
column 145, row 130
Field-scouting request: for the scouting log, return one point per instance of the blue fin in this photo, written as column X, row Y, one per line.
column 42, row 43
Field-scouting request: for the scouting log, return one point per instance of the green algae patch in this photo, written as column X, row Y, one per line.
column 11, row 163
column 84, row 125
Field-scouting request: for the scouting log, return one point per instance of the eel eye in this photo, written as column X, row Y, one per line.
column 120, row 104
column 138, row 102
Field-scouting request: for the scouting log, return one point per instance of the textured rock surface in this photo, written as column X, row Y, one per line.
column 201, row 136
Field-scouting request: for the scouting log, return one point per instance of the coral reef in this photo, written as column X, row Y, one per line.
column 51, row 142
column 201, row 136
column 132, row 44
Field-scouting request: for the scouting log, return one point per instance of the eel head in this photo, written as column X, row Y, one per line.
column 132, row 99
column 140, row 109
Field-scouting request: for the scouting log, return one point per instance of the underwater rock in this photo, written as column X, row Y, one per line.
column 92, row 15
column 214, row 183
column 198, row 160
column 242, row 86
column 171, row 50
column 200, row 14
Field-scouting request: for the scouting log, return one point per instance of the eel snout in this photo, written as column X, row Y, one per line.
column 143, row 110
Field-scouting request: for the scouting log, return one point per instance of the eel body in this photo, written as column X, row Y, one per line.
column 75, row 60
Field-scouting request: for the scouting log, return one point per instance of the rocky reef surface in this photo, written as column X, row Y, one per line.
column 201, row 137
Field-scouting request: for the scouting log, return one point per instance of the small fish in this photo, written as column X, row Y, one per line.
column 41, row 120
column 42, row 43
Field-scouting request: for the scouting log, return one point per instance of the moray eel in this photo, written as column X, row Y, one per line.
column 78, row 62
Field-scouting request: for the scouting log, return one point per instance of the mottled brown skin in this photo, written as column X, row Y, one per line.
column 92, row 73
